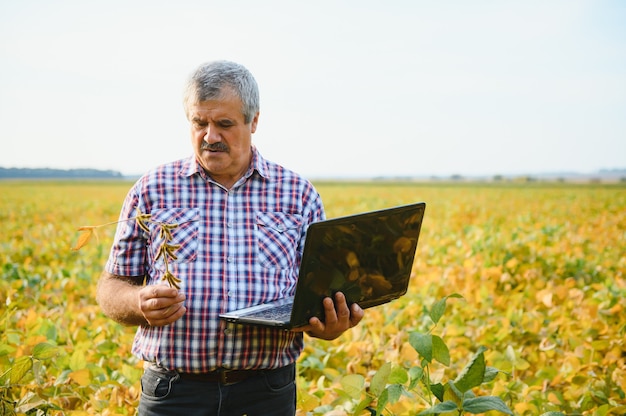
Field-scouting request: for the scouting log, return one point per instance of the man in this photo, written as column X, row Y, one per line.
column 235, row 227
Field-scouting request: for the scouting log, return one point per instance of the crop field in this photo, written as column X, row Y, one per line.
column 517, row 305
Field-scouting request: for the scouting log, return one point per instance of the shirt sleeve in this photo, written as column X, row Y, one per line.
column 314, row 212
column 315, row 206
column 128, row 255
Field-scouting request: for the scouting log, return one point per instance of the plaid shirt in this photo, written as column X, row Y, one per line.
column 238, row 248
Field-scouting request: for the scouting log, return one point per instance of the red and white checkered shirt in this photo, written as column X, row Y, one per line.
column 238, row 247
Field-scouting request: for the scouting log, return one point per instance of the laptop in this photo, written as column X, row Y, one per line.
column 368, row 257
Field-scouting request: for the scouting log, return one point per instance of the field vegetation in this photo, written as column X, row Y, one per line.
column 525, row 281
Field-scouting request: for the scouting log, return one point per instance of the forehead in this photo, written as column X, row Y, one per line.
column 229, row 105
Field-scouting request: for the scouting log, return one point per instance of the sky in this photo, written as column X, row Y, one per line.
column 354, row 88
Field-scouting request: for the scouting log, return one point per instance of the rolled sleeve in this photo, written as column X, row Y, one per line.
column 128, row 255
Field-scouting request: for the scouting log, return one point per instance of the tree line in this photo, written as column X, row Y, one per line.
column 49, row 173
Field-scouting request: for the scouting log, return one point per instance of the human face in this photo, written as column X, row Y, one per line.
column 222, row 141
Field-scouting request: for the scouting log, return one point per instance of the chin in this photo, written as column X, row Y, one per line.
column 212, row 166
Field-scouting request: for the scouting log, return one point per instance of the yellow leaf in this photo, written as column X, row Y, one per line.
column 45, row 351
column 85, row 236
column 545, row 297
column 307, row 401
column 78, row 360
column 21, row 366
column 521, row 408
column 553, row 398
column 81, row 377
column 614, row 310
column 353, row 385
column 512, row 263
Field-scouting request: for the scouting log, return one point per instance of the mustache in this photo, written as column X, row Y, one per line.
column 214, row 147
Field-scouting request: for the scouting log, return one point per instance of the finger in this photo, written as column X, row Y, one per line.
column 165, row 316
column 330, row 314
column 313, row 322
column 303, row 328
column 159, row 304
column 315, row 328
column 159, row 296
column 356, row 315
column 341, row 306
column 159, row 311
column 161, row 291
column 175, row 311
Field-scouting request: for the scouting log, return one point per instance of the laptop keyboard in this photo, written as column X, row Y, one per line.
column 279, row 313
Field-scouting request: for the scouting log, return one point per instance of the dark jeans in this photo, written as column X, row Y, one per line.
column 164, row 393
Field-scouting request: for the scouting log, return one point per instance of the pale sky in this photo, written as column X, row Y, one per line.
column 348, row 88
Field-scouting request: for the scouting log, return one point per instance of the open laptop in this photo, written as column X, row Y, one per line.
column 367, row 256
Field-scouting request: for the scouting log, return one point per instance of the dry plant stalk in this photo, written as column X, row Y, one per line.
column 166, row 250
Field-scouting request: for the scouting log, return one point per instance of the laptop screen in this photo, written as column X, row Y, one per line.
column 368, row 257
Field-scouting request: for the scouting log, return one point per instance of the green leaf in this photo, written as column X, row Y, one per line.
column 379, row 381
column 383, row 399
column 364, row 403
column 484, row 404
column 353, row 385
column 423, row 344
column 437, row 310
column 398, row 375
column 451, row 393
column 553, row 414
column 490, row 374
column 19, row 369
column 439, row 307
column 6, row 349
column 438, row 391
column 415, row 374
column 394, row 393
column 474, row 372
column 45, row 351
column 440, row 350
column 440, row 408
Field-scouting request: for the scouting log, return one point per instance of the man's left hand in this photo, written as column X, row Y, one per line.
column 338, row 318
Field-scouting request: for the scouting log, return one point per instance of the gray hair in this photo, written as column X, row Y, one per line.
column 211, row 79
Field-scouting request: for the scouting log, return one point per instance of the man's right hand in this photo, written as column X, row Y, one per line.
column 161, row 304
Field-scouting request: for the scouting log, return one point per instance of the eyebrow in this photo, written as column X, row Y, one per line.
column 223, row 120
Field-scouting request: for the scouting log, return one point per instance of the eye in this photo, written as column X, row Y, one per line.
column 225, row 124
column 199, row 124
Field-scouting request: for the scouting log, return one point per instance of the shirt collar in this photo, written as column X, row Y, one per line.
column 191, row 166
column 258, row 164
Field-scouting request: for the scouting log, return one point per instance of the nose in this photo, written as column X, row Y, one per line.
column 211, row 135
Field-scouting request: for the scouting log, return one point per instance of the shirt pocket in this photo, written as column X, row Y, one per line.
column 178, row 228
column 278, row 237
